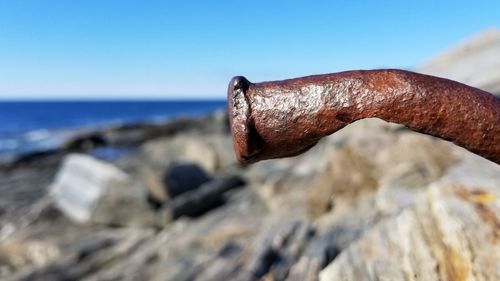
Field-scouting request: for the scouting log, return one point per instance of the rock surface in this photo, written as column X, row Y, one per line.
column 330, row 213
column 212, row 152
column 451, row 232
column 181, row 178
column 89, row 190
column 194, row 203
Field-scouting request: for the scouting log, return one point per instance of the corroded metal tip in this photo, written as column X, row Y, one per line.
column 240, row 119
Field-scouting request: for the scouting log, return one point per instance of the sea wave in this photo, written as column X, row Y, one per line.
column 37, row 135
column 35, row 140
column 8, row 144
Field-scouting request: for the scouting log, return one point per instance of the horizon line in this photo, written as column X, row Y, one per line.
column 113, row 99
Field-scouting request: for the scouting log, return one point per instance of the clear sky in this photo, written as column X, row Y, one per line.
column 191, row 49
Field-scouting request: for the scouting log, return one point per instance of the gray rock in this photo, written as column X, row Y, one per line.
column 89, row 190
column 213, row 152
column 85, row 142
column 92, row 254
column 451, row 233
column 180, row 178
column 280, row 250
column 185, row 148
column 17, row 253
column 207, row 197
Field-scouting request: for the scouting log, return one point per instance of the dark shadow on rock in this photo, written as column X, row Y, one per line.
column 210, row 195
column 85, row 142
column 180, row 178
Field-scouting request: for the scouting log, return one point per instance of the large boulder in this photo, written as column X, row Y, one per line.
column 88, row 190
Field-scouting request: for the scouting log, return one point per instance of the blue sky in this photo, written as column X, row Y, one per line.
column 191, row 49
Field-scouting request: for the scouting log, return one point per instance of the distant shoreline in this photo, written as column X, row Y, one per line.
column 108, row 100
column 28, row 127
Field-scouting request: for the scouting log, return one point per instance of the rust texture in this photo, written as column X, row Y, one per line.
column 285, row 118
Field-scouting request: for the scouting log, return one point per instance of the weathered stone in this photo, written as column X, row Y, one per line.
column 157, row 192
column 90, row 255
column 180, row 178
column 384, row 157
column 85, row 142
column 335, row 181
column 222, row 146
column 89, row 190
column 208, row 196
column 183, row 148
column 16, row 254
column 451, row 233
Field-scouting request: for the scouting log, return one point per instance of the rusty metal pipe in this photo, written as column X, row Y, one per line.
column 285, row 118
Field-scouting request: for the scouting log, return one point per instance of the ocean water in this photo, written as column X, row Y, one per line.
column 40, row 125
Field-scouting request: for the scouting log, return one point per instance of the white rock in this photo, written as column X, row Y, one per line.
column 90, row 190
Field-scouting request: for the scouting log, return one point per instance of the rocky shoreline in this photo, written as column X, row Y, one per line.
column 178, row 207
